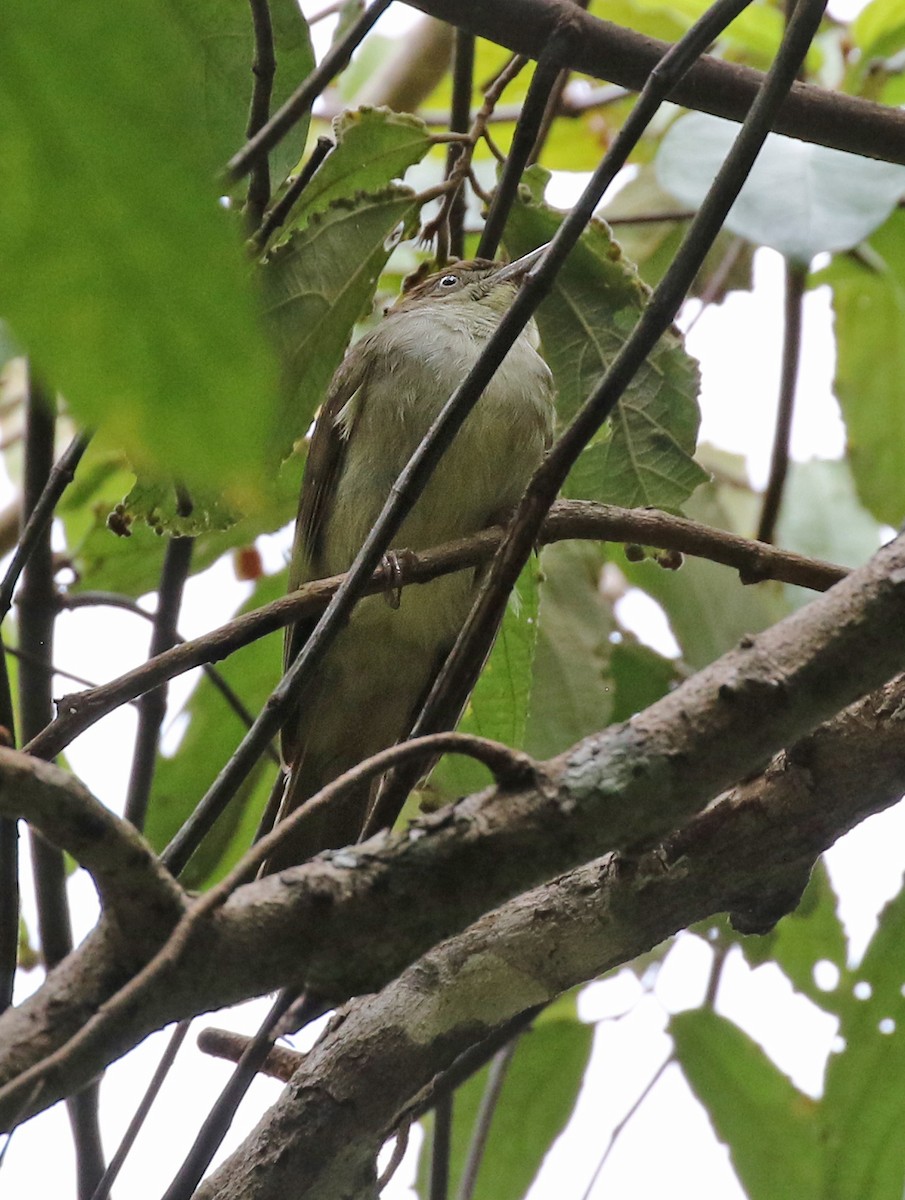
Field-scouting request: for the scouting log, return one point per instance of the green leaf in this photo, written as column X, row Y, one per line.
column 640, row 676
column 498, row 707
column 810, row 935
column 800, row 198
column 159, row 505
column 879, row 29
column 122, row 275
column 131, row 565
column 652, row 245
column 869, row 311
column 537, row 1100
column 374, row 146
column 864, row 1098
column 211, row 736
column 318, row 284
column 571, row 689
column 645, row 456
column 821, row 517
column 708, row 608
column 222, row 39
column 769, row 1126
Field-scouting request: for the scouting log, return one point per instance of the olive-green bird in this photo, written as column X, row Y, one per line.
column 382, row 399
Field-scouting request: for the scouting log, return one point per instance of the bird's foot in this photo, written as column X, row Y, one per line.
column 394, row 563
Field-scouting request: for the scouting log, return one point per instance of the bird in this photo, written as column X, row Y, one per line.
column 381, row 401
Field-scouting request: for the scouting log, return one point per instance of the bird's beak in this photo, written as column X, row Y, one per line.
column 516, row 271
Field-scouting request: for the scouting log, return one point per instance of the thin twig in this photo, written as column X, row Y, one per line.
column 449, row 188
column 177, row 1037
column 58, row 479
column 553, row 106
column 496, row 1077
column 153, row 707
column 91, row 599
column 263, row 69
column 218, row 1120
column 526, row 132
column 302, row 98
column 400, row 1147
column 567, row 519
column 42, row 488
column 459, row 122
column 279, row 211
column 795, row 280
column 441, row 1147
column 620, row 1126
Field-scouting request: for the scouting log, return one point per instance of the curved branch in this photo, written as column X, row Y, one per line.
column 132, row 883
column 622, row 56
column 578, row 519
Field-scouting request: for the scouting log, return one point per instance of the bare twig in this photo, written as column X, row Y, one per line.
column 441, row 1146
column 496, row 1077
column 302, row 98
column 567, row 519
column 153, row 706
column 795, row 280
column 102, row 1191
column 620, row 1126
column 459, row 122
column 526, row 133
column 58, row 479
column 277, row 214
column 263, row 68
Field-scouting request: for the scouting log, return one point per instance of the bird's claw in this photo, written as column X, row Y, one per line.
column 394, row 565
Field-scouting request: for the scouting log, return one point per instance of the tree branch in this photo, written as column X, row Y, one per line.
column 567, row 519
column 320, row 924
column 349, row 1092
column 621, row 56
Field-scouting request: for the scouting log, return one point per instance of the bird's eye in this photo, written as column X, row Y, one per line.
column 449, row 281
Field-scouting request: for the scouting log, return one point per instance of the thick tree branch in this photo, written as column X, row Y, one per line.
column 129, row 878
column 349, row 1093
column 320, row 924
column 568, row 519
column 617, row 55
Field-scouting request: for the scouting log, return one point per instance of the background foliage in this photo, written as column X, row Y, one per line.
column 131, row 290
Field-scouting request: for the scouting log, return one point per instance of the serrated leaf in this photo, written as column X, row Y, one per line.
column 771, row 1128
column 800, row 198
column 498, row 706
column 318, row 284
column 222, row 37
column 810, row 935
column 645, row 456
column 127, row 284
column 160, row 506
column 652, row 245
column 869, row 312
column 131, row 565
column 864, row 1098
column 537, row 1099
column 374, row 146
column 211, row 736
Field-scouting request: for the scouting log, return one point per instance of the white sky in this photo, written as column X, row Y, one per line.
column 738, row 404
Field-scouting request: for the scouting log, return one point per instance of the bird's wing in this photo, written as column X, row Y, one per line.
column 326, row 455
